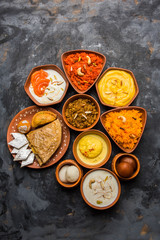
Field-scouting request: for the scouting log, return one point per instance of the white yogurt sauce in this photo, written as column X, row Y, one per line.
column 55, row 89
column 100, row 188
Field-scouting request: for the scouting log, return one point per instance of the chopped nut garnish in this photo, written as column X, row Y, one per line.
column 123, row 118
column 132, row 136
column 75, row 115
column 102, row 185
column 87, row 112
column 89, row 60
column 99, row 202
column 84, row 116
column 59, row 83
column 90, row 183
column 79, row 72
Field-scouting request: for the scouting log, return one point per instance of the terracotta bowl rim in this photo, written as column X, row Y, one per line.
column 122, row 69
column 70, row 100
column 144, row 112
column 118, row 195
column 68, row 162
column 105, row 138
column 116, row 158
column 50, row 66
column 82, row 50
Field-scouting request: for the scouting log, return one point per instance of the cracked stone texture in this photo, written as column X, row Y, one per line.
column 34, row 32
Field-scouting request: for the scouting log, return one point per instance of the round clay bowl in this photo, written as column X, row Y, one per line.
column 45, row 67
column 144, row 119
column 63, row 57
column 101, row 134
column 135, row 83
column 71, row 99
column 96, row 207
column 116, row 160
column 68, row 162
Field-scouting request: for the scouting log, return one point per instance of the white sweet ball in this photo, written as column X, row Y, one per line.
column 62, row 173
column 72, row 174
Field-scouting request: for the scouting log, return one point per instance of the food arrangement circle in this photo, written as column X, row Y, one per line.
column 27, row 114
column 116, row 88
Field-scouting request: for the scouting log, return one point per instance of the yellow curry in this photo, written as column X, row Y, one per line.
column 116, row 88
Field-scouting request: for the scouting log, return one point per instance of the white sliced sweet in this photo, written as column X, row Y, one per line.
column 72, row 174
column 28, row 161
column 22, row 154
column 19, row 140
column 62, row 173
column 14, row 151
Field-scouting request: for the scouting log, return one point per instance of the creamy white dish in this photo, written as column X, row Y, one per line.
column 53, row 91
column 100, row 188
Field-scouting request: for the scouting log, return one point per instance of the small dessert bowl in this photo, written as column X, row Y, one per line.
column 114, row 81
column 81, row 110
column 68, row 163
column 60, row 81
column 81, row 64
column 92, row 149
column 100, row 188
column 123, row 124
column 127, row 158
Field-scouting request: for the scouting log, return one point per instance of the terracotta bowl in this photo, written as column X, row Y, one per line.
column 45, row 67
column 90, row 204
column 68, row 162
column 63, row 57
column 135, row 83
column 144, row 119
column 117, row 159
column 71, row 99
column 101, row 134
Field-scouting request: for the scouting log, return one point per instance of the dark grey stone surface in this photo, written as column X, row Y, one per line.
column 34, row 32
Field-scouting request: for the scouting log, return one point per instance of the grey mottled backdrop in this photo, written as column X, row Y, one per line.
column 34, row 32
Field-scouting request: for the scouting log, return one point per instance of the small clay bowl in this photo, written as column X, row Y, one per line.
column 90, row 204
column 45, row 67
column 135, row 83
column 117, row 159
column 71, row 99
column 63, row 57
column 144, row 119
column 68, row 162
column 96, row 132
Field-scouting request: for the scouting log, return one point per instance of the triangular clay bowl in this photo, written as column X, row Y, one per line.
column 63, row 57
column 144, row 118
column 45, row 67
column 134, row 80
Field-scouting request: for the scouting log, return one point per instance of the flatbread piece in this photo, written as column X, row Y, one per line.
column 44, row 141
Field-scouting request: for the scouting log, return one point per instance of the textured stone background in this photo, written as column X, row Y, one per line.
column 32, row 204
